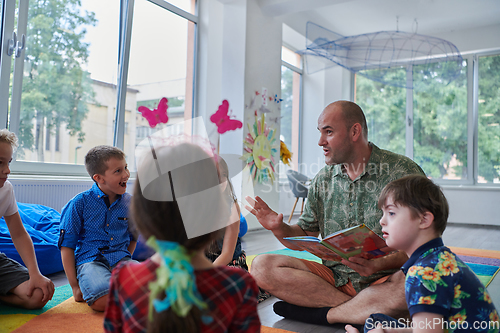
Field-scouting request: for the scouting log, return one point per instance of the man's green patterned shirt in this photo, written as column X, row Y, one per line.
column 336, row 202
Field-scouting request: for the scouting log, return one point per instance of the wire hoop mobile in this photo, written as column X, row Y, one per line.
column 377, row 55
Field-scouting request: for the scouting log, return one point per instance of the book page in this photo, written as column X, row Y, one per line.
column 315, row 247
column 359, row 241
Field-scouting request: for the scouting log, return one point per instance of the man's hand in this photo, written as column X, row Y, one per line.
column 363, row 266
column 77, row 294
column 44, row 284
column 266, row 216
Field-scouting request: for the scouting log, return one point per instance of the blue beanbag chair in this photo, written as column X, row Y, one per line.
column 243, row 226
column 42, row 224
column 142, row 251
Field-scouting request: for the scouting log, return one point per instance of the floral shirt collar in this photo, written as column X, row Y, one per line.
column 371, row 167
column 435, row 243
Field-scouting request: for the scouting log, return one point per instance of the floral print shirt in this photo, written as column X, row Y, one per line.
column 437, row 281
column 336, row 202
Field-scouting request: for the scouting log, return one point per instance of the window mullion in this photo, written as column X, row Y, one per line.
column 8, row 10
column 301, row 115
column 126, row 18
column 474, row 118
column 409, row 111
column 17, row 81
column 175, row 10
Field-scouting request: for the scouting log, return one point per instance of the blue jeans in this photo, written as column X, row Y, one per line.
column 93, row 279
column 384, row 320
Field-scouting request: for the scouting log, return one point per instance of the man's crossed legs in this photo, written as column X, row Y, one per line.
column 311, row 298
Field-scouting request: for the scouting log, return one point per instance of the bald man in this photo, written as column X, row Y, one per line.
column 343, row 194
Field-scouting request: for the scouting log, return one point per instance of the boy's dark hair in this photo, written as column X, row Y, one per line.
column 96, row 158
column 420, row 195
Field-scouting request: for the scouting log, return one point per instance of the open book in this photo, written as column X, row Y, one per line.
column 359, row 241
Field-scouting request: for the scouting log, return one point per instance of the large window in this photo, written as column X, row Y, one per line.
column 488, row 153
column 85, row 68
column 440, row 124
column 69, row 60
column 434, row 122
column 164, row 69
column 291, row 76
column 385, row 111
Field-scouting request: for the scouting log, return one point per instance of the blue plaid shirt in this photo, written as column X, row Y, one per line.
column 94, row 230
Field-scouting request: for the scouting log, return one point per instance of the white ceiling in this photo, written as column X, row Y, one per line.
column 352, row 17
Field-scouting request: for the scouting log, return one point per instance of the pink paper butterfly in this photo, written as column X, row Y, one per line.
column 222, row 119
column 156, row 116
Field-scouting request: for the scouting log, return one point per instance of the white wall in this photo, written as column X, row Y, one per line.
column 319, row 90
column 473, row 205
column 240, row 53
column 263, row 70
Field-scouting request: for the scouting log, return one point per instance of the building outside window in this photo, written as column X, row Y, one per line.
column 65, row 86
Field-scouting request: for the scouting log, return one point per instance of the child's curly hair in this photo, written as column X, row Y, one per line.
column 9, row 137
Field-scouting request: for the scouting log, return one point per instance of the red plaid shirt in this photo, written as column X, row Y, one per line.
column 231, row 294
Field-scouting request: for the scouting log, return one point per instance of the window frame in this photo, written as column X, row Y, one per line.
column 48, row 169
column 472, row 59
column 475, row 112
column 8, row 12
column 299, row 71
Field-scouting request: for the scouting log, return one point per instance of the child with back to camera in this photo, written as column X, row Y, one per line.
column 178, row 289
column 19, row 286
column 227, row 250
column 442, row 293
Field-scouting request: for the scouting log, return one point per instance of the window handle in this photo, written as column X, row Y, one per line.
column 15, row 45
column 20, row 45
column 12, row 44
column 410, row 121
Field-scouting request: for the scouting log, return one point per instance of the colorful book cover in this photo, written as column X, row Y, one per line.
column 358, row 241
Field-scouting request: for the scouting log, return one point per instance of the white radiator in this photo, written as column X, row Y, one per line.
column 51, row 193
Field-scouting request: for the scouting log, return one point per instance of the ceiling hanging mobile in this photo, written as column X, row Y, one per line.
column 380, row 55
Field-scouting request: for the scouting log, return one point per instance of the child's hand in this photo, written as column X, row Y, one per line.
column 44, row 284
column 377, row 329
column 350, row 329
column 77, row 294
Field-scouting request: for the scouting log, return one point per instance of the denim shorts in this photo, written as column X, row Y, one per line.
column 93, row 279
